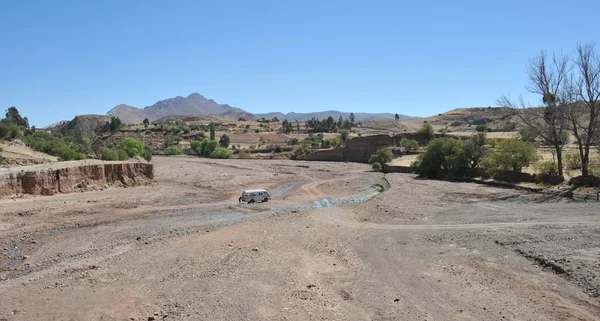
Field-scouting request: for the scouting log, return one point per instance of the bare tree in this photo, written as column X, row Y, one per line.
column 584, row 107
column 548, row 79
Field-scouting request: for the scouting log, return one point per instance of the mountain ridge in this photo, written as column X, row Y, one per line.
column 197, row 104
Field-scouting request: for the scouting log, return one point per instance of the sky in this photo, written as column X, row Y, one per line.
column 419, row 58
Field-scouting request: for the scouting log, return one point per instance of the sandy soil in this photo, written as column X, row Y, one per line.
column 336, row 242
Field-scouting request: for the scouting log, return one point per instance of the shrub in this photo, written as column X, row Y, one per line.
column 293, row 141
column 298, row 152
column 109, row 155
column 277, row 149
column 344, row 133
column 50, row 144
column 257, row 131
column 511, row 155
column 426, row 132
column 172, row 150
column 196, row 146
column 135, row 147
column 409, row 145
column 482, row 128
column 548, row 167
column 224, row 141
column 335, row 141
column 444, row 157
column 171, row 140
column 528, row 134
column 221, row 152
column 376, row 167
column 208, row 146
column 9, row 130
column 572, row 162
column 382, row 156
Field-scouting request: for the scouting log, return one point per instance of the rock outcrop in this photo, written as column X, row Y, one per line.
column 73, row 177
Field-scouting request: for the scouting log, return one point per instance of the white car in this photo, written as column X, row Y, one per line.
column 255, row 195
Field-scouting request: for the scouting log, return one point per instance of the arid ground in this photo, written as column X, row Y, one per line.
column 336, row 242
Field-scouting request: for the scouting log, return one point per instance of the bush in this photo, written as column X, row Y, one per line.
column 135, row 147
column 426, row 132
column 376, row 167
column 546, row 167
column 196, row 146
column 278, row 149
column 224, row 141
column 53, row 145
column 109, row 155
column 482, row 128
column 299, row 152
column 382, row 156
column 444, row 157
column 257, row 131
column 409, row 145
column 511, row 155
column 221, row 152
column 172, row 150
column 344, row 133
column 293, row 141
column 9, row 130
column 528, row 134
column 171, row 140
column 572, row 162
column 335, row 141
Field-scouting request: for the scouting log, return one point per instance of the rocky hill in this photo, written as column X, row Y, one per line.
column 194, row 104
column 83, row 126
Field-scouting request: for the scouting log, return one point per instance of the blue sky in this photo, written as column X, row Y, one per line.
column 63, row 58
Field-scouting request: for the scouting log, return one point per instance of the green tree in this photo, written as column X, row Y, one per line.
column 476, row 149
column 426, row 132
column 135, row 147
column 208, row 146
column 511, row 154
column 409, row 145
column 212, row 130
column 224, row 141
column 397, row 117
column 352, row 118
column 13, row 116
column 146, row 122
column 444, row 157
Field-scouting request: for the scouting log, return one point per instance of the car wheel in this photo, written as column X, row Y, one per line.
column 250, row 201
column 266, row 200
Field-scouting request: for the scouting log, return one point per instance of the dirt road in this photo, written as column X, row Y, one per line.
column 337, row 242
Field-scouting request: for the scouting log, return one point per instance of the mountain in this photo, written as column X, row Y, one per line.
column 194, row 104
column 333, row 113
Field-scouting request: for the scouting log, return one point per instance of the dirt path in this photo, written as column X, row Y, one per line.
column 329, row 246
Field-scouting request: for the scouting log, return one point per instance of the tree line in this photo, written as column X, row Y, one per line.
column 568, row 88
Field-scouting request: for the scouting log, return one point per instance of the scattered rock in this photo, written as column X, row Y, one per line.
column 310, row 286
column 151, row 318
column 255, row 249
column 397, row 300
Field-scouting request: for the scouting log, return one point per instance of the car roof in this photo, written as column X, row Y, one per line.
column 254, row 191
